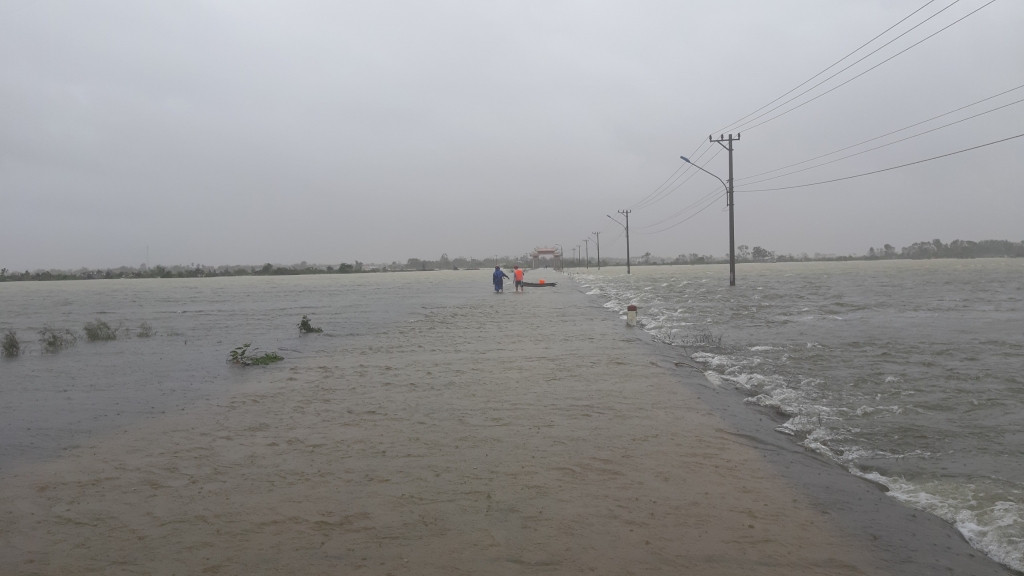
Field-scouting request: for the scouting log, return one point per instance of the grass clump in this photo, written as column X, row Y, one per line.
column 145, row 330
column 56, row 339
column 241, row 356
column 705, row 337
column 306, row 328
column 9, row 344
column 99, row 331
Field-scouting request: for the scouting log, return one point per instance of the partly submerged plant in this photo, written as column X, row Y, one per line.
column 306, row 328
column 705, row 337
column 145, row 330
column 9, row 345
column 241, row 356
column 100, row 330
column 56, row 339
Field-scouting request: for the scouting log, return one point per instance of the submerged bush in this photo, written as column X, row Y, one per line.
column 145, row 330
column 100, row 330
column 241, row 356
column 705, row 337
column 9, row 345
column 306, row 328
column 56, row 339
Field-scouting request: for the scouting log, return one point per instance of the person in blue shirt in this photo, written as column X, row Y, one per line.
column 498, row 275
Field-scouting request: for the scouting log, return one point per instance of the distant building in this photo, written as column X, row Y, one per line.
column 553, row 253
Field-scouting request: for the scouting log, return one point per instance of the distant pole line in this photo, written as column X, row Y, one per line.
column 598, row 242
column 886, row 169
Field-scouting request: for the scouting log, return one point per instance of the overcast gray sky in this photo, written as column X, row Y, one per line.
column 247, row 132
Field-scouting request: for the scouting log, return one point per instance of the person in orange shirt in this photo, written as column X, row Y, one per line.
column 518, row 275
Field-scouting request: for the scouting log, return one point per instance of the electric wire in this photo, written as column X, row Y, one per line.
column 880, row 137
column 833, row 65
column 691, row 216
column 683, row 210
column 844, row 83
column 666, row 193
column 883, row 145
column 885, row 169
column 685, row 169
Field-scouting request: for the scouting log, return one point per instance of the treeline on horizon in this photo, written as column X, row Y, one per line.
column 917, row 251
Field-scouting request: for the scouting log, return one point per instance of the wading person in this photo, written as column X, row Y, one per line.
column 519, row 279
column 498, row 275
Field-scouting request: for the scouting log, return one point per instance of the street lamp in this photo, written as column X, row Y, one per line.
column 728, row 201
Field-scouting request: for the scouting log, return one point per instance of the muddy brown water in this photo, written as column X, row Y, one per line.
column 505, row 434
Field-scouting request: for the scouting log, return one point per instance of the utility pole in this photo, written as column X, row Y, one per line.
column 598, row 236
column 587, row 242
column 574, row 255
column 731, row 202
column 579, row 255
column 626, row 214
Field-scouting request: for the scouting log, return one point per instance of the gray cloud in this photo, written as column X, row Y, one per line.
column 244, row 132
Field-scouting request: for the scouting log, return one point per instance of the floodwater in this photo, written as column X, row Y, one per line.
column 908, row 373
column 434, row 428
column 49, row 402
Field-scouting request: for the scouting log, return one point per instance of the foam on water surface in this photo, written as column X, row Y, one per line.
column 905, row 372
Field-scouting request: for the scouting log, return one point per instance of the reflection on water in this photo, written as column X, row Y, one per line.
column 907, row 372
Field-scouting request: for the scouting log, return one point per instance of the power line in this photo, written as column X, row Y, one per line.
column 645, row 201
column 833, row 65
column 708, row 205
column 885, row 169
column 802, row 104
column 692, row 174
column 882, row 136
column 688, row 207
column 884, row 145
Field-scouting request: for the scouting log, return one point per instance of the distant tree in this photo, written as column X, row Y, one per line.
column 646, row 258
column 743, row 252
column 760, row 253
column 890, row 251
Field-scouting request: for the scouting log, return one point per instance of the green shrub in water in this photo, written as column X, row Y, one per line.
column 306, row 328
column 241, row 356
column 56, row 339
column 100, row 330
column 145, row 330
column 9, row 345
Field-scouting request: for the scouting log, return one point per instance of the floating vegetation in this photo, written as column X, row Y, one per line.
column 99, row 331
column 705, row 337
column 145, row 330
column 241, row 356
column 306, row 328
column 56, row 339
column 9, row 345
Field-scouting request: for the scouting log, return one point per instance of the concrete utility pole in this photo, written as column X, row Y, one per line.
column 732, row 203
column 626, row 213
column 587, row 242
column 574, row 255
column 598, row 236
column 579, row 255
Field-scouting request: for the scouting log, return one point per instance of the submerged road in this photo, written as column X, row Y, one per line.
column 528, row 433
